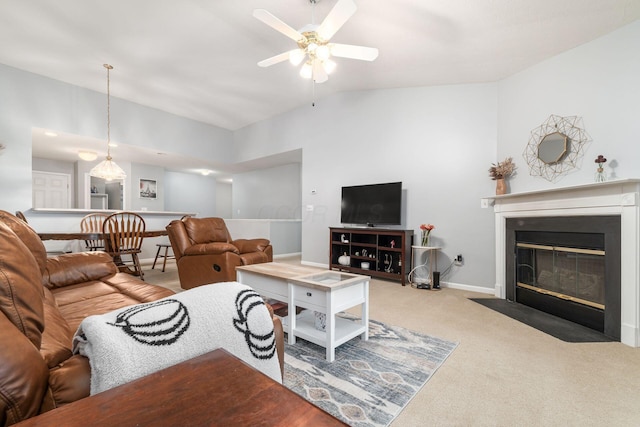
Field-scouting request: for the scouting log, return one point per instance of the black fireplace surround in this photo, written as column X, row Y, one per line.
column 585, row 232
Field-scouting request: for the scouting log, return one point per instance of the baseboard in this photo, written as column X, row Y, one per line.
column 629, row 335
column 451, row 285
column 315, row 264
column 287, row 255
column 470, row 288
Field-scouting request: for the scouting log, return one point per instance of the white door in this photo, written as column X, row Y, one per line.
column 51, row 190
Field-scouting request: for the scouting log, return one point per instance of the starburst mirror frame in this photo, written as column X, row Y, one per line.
column 565, row 137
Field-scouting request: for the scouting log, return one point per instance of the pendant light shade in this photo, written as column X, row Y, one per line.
column 108, row 169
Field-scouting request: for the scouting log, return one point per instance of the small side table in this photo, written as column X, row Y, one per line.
column 328, row 292
column 430, row 264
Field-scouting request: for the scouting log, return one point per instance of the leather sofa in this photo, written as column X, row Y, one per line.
column 42, row 302
column 205, row 252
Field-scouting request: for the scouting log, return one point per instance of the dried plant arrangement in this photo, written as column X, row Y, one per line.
column 503, row 169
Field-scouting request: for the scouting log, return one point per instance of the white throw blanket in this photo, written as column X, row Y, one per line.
column 134, row 341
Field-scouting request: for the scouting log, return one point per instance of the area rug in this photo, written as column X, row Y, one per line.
column 370, row 382
column 562, row 329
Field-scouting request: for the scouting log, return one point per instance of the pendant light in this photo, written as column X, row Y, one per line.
column 108, row 169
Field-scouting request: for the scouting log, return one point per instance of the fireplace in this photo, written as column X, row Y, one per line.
column 568, row 267
column 611, row 243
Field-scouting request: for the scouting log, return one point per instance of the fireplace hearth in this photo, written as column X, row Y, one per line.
column 566, row 266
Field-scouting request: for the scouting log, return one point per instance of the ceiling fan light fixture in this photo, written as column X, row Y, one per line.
column 307, row 70
column 314, row 42
column 296, row 56
column 329, row 66
column 323, row 52
column 108, row 169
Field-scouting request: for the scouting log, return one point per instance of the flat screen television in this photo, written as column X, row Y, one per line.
column 373, row 204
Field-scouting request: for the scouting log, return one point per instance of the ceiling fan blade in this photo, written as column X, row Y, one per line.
column 354, row 52
column 319, row 74
column 274, row 60
column 336, row 18
column 277, row 24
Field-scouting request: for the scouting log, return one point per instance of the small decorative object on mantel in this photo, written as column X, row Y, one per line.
column 426, row 231
column 501, row 171
column 600, row 175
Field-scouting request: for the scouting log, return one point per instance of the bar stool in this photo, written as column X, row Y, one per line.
column 166, row 247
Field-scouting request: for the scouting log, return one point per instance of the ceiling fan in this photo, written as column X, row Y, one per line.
column 314, row 47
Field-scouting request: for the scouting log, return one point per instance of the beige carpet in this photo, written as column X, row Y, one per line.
column 503, row 373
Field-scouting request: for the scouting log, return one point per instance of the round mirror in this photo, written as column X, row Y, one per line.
column 553, row 147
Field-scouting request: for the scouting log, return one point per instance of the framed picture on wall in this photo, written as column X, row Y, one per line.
column 148, row 189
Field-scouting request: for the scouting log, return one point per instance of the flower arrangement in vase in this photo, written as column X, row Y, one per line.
column 500, row 171
column 600, row 175
column 426, row 231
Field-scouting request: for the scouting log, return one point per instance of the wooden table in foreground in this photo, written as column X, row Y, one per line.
column 215, row 389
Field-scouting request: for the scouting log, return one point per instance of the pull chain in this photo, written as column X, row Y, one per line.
column 313, row 93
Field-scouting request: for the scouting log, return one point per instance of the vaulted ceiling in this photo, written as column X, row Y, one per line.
column 198, row 58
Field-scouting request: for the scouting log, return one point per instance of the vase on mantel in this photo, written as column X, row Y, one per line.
column 501, row 186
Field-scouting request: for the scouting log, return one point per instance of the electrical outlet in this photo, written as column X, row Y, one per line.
column 458, row 259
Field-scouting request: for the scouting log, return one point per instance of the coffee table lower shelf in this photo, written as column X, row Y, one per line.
column 346, row 329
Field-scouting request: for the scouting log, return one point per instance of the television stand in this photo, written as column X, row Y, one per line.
column 386, row 251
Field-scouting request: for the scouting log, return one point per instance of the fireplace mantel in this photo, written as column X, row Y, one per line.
column 619, row 197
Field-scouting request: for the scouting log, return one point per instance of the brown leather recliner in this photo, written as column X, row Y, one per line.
column 42, row 302
column 205, row 252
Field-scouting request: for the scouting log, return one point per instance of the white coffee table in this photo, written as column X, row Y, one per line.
column 322, row 291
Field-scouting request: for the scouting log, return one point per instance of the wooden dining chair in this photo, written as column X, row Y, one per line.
column 123, row 237
column 92, row 223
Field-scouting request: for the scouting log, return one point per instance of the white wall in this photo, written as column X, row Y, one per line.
column 138, row 172
column 223, row 200
column 190, row 193
column 439, row 141
column 272, row 193
column 600, row 82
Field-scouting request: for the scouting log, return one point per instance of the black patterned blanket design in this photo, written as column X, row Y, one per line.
column 134, row 341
